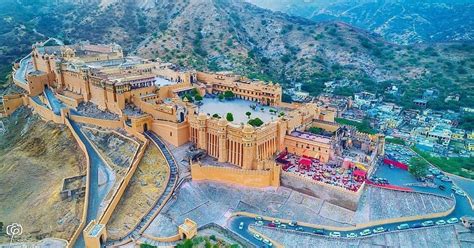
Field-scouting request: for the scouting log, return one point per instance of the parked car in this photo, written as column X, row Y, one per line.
column 271, row 225
column 267, row 242
column 318, row 231
column 257, row 237
column 258, row 218
column 440, row 222
column 283, row 226
column 259, row 223
column 365, row 232
column 453, row 220
column 416, row 225
column 427, row 223
column 446, row 179
column 334, row 234
column 403, row 226
column 292, row 223
column 276, row 222
column 379, row 230
column 351, row 235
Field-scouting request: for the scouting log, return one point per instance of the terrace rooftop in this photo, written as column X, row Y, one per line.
column 311, row 136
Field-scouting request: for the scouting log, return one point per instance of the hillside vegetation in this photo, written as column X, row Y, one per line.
column 233, row 35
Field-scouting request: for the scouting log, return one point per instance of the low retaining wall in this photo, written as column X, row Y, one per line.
column 249, row 178
column 112, row 124
column 173, row 238
column 71, row 102
column 45, row 113
column 333, row 194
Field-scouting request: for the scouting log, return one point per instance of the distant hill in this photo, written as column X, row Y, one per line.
column 233, row 35
column 399, row 21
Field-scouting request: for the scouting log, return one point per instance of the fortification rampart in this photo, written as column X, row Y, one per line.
column 249, row 178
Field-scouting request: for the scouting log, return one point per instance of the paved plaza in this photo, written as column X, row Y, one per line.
column 238, row 108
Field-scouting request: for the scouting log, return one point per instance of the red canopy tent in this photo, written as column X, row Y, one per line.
column 305, row 163
column 360, row 175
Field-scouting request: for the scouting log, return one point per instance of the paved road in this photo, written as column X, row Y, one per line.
column 56, row 105
column 135, row 233
column 96, row 193
column 25, row 67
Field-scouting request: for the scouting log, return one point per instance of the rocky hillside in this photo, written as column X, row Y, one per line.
column 400, row 21
column 234, row 35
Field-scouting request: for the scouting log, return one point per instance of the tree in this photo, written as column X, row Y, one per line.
column 186, row 244
column 228, row 94
column 229, row 117
column 194, row 92
column 418, row 167
column 255, row 122
column 316, row 130
column 221, row 97
column 198, row 97
column 146, row 246
column 248, row 114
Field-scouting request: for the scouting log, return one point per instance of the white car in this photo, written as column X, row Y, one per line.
column 365, row 232
column 257, row 237
column 453, row 220
column 379, row 230
column 403, row 226
column 259, row 223
column 258, row 218
column 334, row 234
column 276, row 222
column 428, row 223
column 351, row 235
column 283, row 226
column 440, row 222
column 267, row 242
column 241, row 225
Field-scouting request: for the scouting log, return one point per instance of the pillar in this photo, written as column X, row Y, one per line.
column 249, row 147
column 202, row 141
column 222, row 140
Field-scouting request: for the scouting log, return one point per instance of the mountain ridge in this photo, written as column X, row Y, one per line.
column 232, row 35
